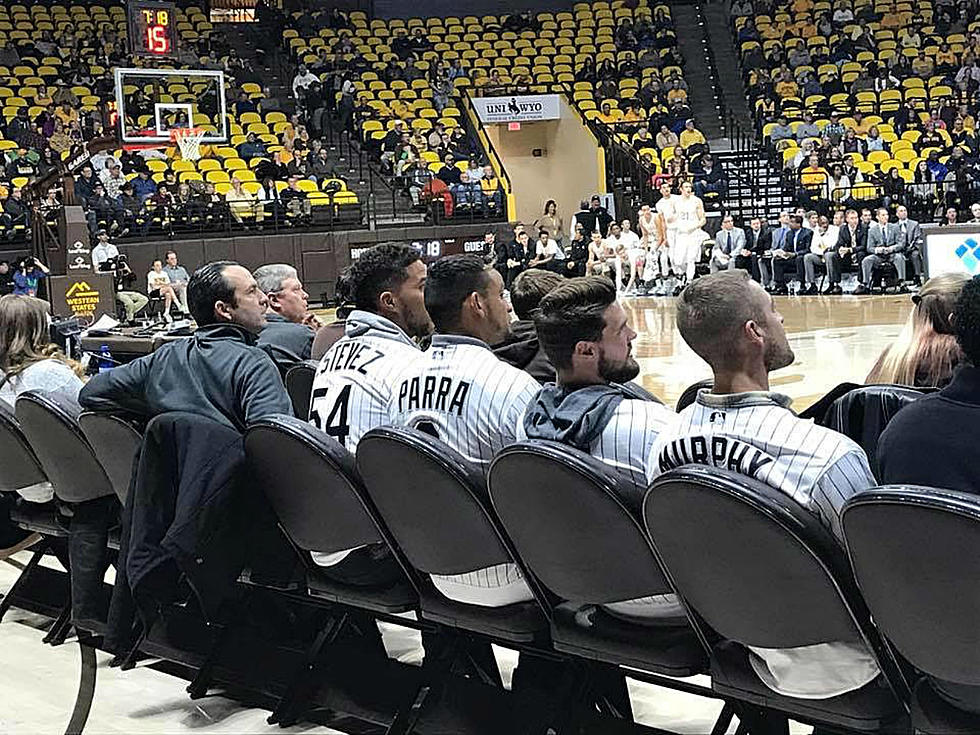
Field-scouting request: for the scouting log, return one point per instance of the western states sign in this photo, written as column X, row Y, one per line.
column 517, row 108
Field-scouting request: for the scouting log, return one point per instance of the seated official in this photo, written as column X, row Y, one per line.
column 926, row 352
column 733, row 325
column 885, row 245
column 355, row 379
column 289, row 323
column 158, row 287
column 521, row 347
column 196, row 375
column 462, row 394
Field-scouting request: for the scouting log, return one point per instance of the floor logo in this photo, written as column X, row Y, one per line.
column 969, row 253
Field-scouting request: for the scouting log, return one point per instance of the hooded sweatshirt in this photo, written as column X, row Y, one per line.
column 522, row 349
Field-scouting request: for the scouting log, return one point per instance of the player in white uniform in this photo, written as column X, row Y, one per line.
column 353, row 384
column 689, row 213
column 662, row 249
column 463, row 394
column 585, row 334
column 732, row 323
column 636, row 255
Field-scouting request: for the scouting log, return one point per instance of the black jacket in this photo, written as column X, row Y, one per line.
column 931, row 441
column 218, row 373
column 860, row 235
column 760, row 243
column 280, row 332
column 522, row 349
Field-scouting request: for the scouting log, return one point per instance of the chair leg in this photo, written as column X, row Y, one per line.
column 300, row 684
column 32, row 564
column 724, row 720
column 202, row 680
column 86, row 688
column 434, row 675
column 59, row 631
column 129, row 660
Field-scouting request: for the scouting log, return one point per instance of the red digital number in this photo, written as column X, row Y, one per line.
column 156, row 40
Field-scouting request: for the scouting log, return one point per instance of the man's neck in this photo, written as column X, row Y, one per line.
column 572, row 380
column 741, row 381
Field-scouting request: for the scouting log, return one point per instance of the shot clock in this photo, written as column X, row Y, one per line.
column 152, row 28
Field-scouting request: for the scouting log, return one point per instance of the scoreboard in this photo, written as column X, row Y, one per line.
column 432, row 250
column 152, row 28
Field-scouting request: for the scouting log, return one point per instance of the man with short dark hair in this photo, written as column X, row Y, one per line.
column 740, row 425
column 289, row 323
column 883, row 246
column 521, row 347
column 459, row 392
column 195, row 375
column 789, row 258
column 178, row 278
column 851, row 248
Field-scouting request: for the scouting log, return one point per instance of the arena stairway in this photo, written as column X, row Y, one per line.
column 702, row 84
column 728, row 72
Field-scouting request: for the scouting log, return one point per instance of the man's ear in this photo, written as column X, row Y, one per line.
column 754, row 332
column 222, row 310
column 585, row 349
column 386, row 301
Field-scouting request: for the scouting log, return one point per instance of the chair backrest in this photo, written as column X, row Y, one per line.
column 690, row 393
column 116, row 443
column 299, row 386
column 312, row 484
column 863, row 413
column 914, row 554
column 563, row 510
column 19, row 466
column 432, row 500
column 819, row 408
column 50, row 423
column 754, row 565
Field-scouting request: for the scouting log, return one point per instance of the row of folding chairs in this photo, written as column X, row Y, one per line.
column 750, row 569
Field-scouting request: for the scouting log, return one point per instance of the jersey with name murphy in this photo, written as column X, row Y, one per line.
column 757, row 435
column 355, row 378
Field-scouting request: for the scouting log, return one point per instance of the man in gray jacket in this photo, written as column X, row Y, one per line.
column 289, row 323
column 884, row 246
column 729, row 242
column 910, row 234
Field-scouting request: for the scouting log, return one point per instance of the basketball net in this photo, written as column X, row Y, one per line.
column 189, row 142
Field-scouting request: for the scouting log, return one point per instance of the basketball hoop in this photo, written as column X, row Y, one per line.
column 189, row 142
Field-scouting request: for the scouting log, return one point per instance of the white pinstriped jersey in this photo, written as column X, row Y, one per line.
column 353, row 383
column 473, row 402
column 755, row 434
column 461, row 390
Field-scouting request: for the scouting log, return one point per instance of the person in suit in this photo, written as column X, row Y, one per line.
column 776, row 239
column 729, row 242
column 910, row 234
column 758, row 240
column 883, row 247
column 788, row 257
column 851, row 247
column 824, row 238
column 518, row 256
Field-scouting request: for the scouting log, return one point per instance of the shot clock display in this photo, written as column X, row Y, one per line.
column 152, row 28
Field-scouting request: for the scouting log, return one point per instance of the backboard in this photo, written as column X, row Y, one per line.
column 152, row 102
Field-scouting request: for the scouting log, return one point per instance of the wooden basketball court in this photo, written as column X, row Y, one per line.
column 835, row 339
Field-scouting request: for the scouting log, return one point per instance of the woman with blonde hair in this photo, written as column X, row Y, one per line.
column 28, row 359
column 925, row 354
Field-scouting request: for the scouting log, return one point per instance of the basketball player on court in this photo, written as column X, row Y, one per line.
column 690, row 219
column 733, row 325
column 667, row 233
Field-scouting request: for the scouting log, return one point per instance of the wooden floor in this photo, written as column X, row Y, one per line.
column 835, row 339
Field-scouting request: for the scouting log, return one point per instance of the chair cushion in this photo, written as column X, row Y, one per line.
column 590, row 632
column 522, row 622
column 867, row 709
column 398, row 598
column 933, row 714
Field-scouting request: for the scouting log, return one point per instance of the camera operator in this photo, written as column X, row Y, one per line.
column 29, row 273
column 124, row 281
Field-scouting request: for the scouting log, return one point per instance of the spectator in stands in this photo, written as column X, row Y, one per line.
column 925, row 354
column 521, row 347
column 834, row 130
column 303, row 79
column 808, row 128
column 295, row 201
column 193, row 375
column 243, row 204
column 158, row 286
column 30, row 272
column 732, row 324
column 666, row 139
column 16, row 213
column 467, row 194
column 710, row 178
column 289, row 324
column 781, row 130
column 143, row 186
column 251, row 148
column 729, row 242
column 449, row 173
column 102, row 209
column 691, row 137
column 852, row 144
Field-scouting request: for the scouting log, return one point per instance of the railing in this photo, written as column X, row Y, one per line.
column 475, row 128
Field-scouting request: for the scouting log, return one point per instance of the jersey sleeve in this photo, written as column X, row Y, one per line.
column 526, row 388
column 845, row 477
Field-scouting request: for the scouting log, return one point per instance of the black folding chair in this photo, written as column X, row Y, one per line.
column 116, row 443
column 566, row 514
column 756, row 569
column 299, row 386
column 863, row 413
column 314, row 489
column 690, row 393
column 50, row 422
column 914, row 554
column 436, row 507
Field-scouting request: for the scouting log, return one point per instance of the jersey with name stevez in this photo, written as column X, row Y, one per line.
column 755, row 434
column 460, row 392
column 354, row 381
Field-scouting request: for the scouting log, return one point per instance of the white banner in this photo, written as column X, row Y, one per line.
column 953, row 250
column 517, row 108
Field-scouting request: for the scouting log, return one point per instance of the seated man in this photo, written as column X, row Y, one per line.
column 193, row 375
column 289, row 323
column 521, row 347
column 729, row 244
column 885, row 245
column 733, row 325
column 851, row 248
column 355, row 380
column 789, row 257
column 178, row 279
column 459, row 392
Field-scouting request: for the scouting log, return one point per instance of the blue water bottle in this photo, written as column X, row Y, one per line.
column 105, row 359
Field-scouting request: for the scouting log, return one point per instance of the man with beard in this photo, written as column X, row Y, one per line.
column 586, row 335
column 740, row 425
